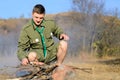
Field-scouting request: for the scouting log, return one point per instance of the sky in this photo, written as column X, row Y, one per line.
column 112, row 4
column 17, row 8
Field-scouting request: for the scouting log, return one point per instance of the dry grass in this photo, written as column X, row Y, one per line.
column 106, row 69
column 99, row 72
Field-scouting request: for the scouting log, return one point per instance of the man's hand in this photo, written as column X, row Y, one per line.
column 24, row 61
column 64, row 37
column 37, row 63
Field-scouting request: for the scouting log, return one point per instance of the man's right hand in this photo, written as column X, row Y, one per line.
column 24, row 61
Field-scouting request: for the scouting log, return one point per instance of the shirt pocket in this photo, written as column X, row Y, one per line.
column 36, row 43
column 49, row 35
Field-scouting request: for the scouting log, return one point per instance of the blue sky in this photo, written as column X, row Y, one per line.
column 112, row 4
column 17, row 8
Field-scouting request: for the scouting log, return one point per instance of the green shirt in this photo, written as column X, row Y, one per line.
column 30, row 39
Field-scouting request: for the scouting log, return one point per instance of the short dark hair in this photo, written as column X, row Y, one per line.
column 39, row 9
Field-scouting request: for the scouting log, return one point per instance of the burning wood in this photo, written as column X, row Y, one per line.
column 47, row 72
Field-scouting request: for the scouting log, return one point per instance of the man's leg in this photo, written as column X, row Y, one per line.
column 32, row 56
column 62, row 50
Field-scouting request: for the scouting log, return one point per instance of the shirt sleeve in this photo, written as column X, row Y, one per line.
column 23, row 44
column 57, row 31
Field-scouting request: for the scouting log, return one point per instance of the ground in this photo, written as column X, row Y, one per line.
column 99, row 72
column 101, row 69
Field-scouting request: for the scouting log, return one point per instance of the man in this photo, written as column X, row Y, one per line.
column 36, row 44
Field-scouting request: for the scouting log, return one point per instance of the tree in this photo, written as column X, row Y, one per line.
column 108, row 41
column 91, row 12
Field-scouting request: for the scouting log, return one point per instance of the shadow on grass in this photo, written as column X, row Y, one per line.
column 111, row 61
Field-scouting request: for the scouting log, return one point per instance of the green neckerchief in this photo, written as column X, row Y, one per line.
column 40, row 31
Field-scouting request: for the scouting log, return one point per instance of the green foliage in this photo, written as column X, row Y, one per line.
column 108, row 41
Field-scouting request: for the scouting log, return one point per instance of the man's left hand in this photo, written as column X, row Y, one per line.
column 64, row 37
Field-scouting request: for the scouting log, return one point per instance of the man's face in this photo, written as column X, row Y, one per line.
column 37, row 18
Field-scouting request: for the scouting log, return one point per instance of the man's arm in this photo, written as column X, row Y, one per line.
column 23, row 46
column 56, row 30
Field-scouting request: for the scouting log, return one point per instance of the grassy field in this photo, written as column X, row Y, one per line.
column 98, row 72
column 102, row 69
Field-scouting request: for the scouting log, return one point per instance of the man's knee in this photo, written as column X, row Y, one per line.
column 32, row 56
column 63, row 43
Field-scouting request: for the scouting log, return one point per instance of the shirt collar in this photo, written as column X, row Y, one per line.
column 34, row 26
